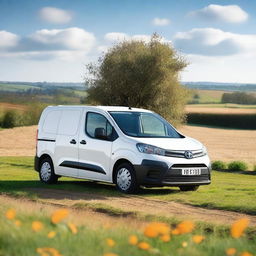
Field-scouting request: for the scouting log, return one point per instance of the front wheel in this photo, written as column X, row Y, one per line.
column 189, row 188
column 125, row 179
column 46, row 171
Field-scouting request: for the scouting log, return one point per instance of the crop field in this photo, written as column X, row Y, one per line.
column 222, row 144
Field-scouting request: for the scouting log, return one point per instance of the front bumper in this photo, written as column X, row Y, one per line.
column 157, row 173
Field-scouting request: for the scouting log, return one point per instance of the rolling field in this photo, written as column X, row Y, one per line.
column 222, row 144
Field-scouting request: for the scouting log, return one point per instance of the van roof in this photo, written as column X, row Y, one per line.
column 105, row 108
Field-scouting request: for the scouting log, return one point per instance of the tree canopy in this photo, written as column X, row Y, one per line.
column 139, row 74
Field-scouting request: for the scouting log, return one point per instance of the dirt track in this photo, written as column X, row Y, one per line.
column 142, row 205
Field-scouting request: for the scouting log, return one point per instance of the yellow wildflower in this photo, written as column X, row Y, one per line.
column 37, row 226
column 110, row 242
column 238, row 227
column 110, row 254
column 246, row 254
column 59, row 215
column 51, row 234
column 133, row 240
column 144, row 246
column 17, row 223
column 198, row 239
column 73, row 228
column 10, row 214
column 185, row 227
column 165, row 238
column 230, row 251
column 156, row 228
column 184, row 244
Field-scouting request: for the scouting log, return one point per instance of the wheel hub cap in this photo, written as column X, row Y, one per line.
column 45, row 171
column 124, row 179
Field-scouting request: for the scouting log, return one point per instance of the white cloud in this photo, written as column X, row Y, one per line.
column 221, row 13
column 55, row 16
column 116, row 36
column 7, row 39
column 214, row 42
column 70, row 43
column 160, row 21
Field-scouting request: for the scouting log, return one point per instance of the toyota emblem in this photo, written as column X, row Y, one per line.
column 188, row 154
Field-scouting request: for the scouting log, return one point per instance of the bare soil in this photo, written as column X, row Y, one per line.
column 145, row 206
column 222, row 144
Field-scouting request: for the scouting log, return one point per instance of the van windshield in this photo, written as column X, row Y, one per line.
column 143, row 124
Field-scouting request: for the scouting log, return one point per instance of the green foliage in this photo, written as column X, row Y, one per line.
column 218, row 165
column 239, row 98
column 9, row 119
column 139, row 74
column 240, row 121
column 237, row 166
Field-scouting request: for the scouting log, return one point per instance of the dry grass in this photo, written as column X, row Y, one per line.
column 222, row 144
column 219, row 110
column 225, row 144
column 10, row 106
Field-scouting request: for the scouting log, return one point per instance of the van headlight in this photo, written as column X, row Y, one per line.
column 149, row 149
column 204, row 150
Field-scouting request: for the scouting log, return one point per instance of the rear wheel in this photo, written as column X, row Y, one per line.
column 46, row 171
column 189, row 188
column 125, row 179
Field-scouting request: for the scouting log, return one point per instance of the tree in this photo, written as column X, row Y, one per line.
column 140, row 74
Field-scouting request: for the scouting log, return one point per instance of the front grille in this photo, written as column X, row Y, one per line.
column 174, row 174
column 181, row 153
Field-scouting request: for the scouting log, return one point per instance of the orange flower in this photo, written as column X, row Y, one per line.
column 51, row 234
column 230, row 251
column 165, row 238
column 110, row 254
column 37, row 226
column 184, row 244
column 144, row 246
column 17, row 223
column 10, row 214
column 110, row 242
column 73, row 228
column 185, row 227
column 48, row 251
column 237, row 229
column 246, row 254
column 175, row 232
column 156, row 228
column 198, row 239
column 133, row 240
column 59, row 215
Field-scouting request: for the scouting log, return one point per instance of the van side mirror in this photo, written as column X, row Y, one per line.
column 100, row 133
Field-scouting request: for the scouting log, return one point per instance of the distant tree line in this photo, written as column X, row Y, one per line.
column 238, row 98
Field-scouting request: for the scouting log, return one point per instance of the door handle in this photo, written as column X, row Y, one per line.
column 72, row 141
column 83, row 142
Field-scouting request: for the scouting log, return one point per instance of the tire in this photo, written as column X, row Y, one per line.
column 46, row 171
column 189, row 188
column 125, row 179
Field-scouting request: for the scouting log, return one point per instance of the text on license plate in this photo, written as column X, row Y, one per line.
column 191, row 171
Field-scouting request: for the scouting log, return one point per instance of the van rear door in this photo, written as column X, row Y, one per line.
column 66, row 147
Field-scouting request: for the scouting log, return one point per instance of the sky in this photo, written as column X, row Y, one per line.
column 53, row 40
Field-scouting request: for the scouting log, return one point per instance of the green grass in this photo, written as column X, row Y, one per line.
column 22, row 241
column 16, row 87
column 229, row 191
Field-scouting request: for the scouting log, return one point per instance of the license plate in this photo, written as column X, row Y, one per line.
column 191, row 171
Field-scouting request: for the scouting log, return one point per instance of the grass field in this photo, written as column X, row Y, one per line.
column 17, row 177
column 229, row 191
column 105, row 239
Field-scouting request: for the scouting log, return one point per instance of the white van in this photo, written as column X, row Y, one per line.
column 129, row 147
